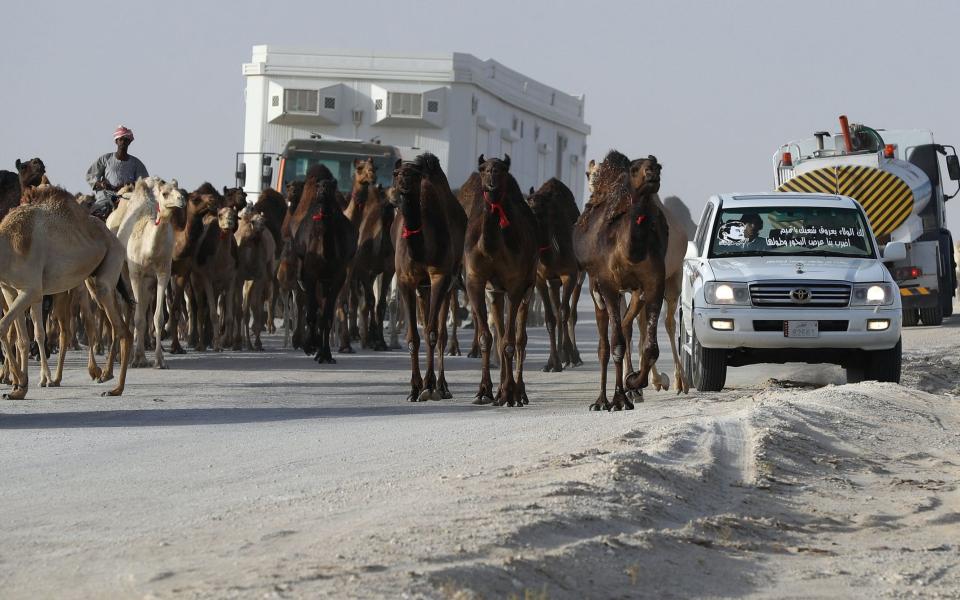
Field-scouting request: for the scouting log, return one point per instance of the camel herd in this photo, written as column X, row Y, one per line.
column 214, row 271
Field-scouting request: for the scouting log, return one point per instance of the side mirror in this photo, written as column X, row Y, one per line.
column 266, row 175
column 953, row 167
column 242, row 175
column 894, row 251
column 691, row 251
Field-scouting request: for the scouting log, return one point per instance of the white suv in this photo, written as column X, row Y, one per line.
column 785, row 277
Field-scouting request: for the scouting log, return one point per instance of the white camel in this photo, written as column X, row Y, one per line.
column 142, row 224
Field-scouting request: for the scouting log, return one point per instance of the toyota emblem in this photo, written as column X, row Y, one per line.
column 800, row 295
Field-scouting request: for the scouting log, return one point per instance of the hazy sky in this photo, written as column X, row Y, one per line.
column 711, row 88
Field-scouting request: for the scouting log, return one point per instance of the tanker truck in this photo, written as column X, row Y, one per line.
column 896, row 176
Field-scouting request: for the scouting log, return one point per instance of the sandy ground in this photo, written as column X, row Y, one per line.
column 263, row 475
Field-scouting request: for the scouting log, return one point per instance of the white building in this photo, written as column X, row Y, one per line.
column 454, row 105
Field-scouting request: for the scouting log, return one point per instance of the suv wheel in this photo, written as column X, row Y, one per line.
column 932, row 315
column 709, row 367
column 884, row 365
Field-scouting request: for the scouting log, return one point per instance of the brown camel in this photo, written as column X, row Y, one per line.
column 673, row 283
column 12, row 185
column 373, row 216
column 213, row 277
column 256, row 260
column 86, row 252
column 501, row 250
column 428, row 236
column 327, row 242
column 273, row 207
column 620, row 239
column 556, row 211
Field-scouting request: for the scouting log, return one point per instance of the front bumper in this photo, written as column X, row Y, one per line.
column 743, row 334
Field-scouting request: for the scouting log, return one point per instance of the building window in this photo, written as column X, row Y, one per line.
column 521, row 129
column 536, row 132
column 378, row 104
column 404, row 104
column 275, row 101
column 516, row 124
column 474, row 103
column 433, row 106
column 301, row 101
column 329, row 103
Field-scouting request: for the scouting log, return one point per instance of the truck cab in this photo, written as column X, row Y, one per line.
column 788, row 277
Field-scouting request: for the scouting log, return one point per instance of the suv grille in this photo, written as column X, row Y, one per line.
column 800, row 294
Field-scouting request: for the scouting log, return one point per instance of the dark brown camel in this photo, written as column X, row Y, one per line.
column 273, row 207
column 501, row 250
column 621, row 239
column 327, row 241
column 428, row 235
column 373, row 216
column 29, row 174
column 556, row 211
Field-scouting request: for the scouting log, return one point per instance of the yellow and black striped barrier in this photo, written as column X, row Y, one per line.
column 886, row 198
column 915, row 291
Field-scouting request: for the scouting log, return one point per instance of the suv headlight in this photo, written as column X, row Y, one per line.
column 719, row 292
column 872, row 294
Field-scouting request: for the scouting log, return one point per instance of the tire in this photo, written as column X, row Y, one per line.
column 884, row 365
column 931, row 316
column 854, row 374
column 911, row 317
column 709, row 367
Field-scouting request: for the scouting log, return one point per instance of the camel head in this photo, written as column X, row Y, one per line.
column 227, row 219
column 31, row 172
column 406, row 182
column 645, row 175
column 235, row 198
column 327, row 193
column 169, row 196
column 592, row 169
column 540, row 205
column 251, row 226
column 494, row 173
column 86, row 201
column 365, row 172
column 294, row 190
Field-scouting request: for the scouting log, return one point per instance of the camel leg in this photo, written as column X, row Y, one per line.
column 671, row 294
column 520, row 327
column 102, row 290
column 633, row 308
column 245, row 309
column 435, row 319
column 327, row 317
column 550, row 297
column 408, row 300
column 382, row 299
column 40, row 336
column 574, row 355
column 271, row 301
column 258, row 313
column 214, row 323
column 506, row 345
column 603, row 345
column 62, row 314
column 454, row 303
column 287, row 300
column 618, row 348
column 349, row 327
column 177, row 307
column 89, row 319
column 477, row 295
column 18, row 303
column 636, row 307
column 139, row 283
column 442, row 385
column 651, row 348
column 162, row 280
column 567, row 347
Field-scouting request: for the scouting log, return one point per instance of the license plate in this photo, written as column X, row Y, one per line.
column 801, row 329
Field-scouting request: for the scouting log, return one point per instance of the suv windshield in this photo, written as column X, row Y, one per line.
column 341, row 165
column 795, row 231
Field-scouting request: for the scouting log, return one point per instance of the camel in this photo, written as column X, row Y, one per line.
column 428, row 237
column 621, row 239
column 273, row 207
column 673, row 284
column 291, row 295
column 143, row 225
column 373, row 216
column 327, row 243
column 85, row 251
column 256, row 258
column 12, row 185
column 213, row 276
column 556, row 211
column 501, row 250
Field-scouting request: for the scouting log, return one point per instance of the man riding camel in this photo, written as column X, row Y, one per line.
column 112, row 171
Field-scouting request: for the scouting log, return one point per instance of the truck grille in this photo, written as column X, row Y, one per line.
column 800, row 294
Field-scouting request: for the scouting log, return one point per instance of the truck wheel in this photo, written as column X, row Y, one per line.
column 932, row 315
column 884, row 365
column 910, row 317
column 709, row 367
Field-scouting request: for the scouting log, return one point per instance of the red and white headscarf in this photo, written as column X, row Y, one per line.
column 122, row 131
